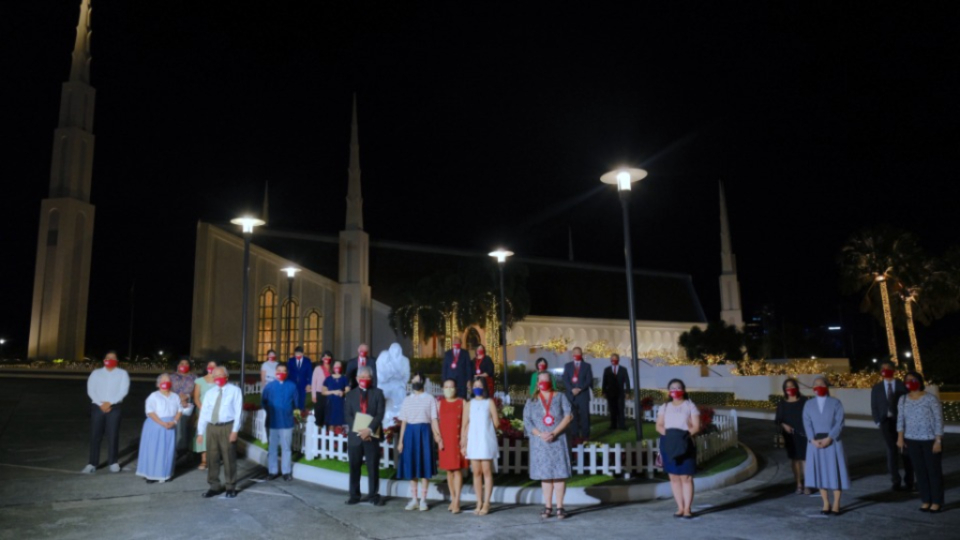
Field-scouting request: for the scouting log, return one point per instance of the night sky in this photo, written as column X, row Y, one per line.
column 485, row 123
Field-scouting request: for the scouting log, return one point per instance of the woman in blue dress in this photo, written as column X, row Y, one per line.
column 155, row 462
column 334, row 388
column 826, row 466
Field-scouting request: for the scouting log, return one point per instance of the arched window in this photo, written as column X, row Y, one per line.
column 266, row 323
column 313, row 335
column 290, row 325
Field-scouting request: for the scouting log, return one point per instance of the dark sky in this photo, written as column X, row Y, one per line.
column 486, row 123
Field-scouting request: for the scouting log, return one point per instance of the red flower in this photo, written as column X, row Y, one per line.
column 706, row 416
column 251, row 407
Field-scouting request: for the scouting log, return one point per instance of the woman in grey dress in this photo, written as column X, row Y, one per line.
column 545, row 417
column 826, row 467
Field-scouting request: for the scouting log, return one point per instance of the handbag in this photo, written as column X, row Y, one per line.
column 658, row 461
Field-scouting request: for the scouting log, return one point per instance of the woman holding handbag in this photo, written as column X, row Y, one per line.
column 677, row 422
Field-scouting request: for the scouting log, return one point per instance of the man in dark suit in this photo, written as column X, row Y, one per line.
column 883, row 404
column 616, row 383
column 300, row 373
column 456, row 366
column 361, row 360
column 578, row 384
column 364, row 446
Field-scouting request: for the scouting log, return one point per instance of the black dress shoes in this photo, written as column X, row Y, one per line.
column 288, row 477
column 210, row 493
column 273, row 476
column 352, row 500
column 231, row 493
column 376, row 501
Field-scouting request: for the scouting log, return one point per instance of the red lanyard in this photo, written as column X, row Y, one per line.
column 576, row 369
column 478, row 364
column 547, row 417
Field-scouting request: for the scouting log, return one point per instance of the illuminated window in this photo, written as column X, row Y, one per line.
column 289, row 322
column 313, row 335
column 266, row 323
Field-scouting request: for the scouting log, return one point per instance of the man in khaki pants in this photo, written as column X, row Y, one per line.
column 220, row 422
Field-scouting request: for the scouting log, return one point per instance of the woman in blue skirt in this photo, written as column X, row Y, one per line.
column 419, row 429
column 677, row 422
column 159, row 437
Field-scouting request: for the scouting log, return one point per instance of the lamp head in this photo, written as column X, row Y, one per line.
column 248, row 223
column 291, row 271
column 501, row 255
column 624, row 177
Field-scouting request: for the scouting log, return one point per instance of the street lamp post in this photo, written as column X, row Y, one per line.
column 501, row 256
column 247, row 223
column 291, row 272
column 623, row 179
column 2, row 341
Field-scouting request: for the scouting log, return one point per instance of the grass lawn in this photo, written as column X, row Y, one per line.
column 600, row 431
column 343, row 466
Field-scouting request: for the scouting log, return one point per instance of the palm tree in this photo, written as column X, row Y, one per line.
column 938, row 288
column 873, row 257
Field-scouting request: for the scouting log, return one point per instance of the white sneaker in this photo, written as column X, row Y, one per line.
column 89, row 469
column 423, row 505
column 412, row 505
column 115, row 467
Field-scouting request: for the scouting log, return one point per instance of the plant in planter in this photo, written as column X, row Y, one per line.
column 706, row 420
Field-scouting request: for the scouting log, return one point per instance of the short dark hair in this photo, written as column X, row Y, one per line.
column 541, row 360
column 916, row 375
column 423, row 378
column 327, row 353
column 795, row 384
column 682, row 386
column 483, row 385
column 614, row 354
column 271, row 351
column 298, row 349
column 888, row 363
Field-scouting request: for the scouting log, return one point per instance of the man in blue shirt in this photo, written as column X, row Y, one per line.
column 279, row 400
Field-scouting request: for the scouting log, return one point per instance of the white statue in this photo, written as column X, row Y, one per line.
column 393, row 372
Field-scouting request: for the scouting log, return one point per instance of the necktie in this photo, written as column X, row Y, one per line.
column 215, row 417
column 363, row 402
column 889, row 399
column 298, row 364
column 614, row 370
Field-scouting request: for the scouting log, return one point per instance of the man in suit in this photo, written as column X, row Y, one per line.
column 456, row 366
column 300, row 373
column 364, row 446
column 616, row 383
column 883, row 404
column 362, row 359
column 578, row 384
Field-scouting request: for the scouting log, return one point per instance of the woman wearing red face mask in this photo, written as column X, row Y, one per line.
column 789, row 419
column 541, row 367
column 200, row 388
column 158, row 439
column 544, row 419
column 483, row 368
column 333, row 389
column 826, row 466
column 183, row 384
column 919, row 432
column 677, row 422
column 321, row 371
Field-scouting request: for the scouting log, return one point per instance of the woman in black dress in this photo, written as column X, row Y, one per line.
column 789, row 420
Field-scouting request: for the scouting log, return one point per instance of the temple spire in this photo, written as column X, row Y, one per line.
column 730, row 310
column 80, row 67
column 354, row 199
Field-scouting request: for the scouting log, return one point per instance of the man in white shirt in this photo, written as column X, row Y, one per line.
column 106, row 386
column 268, row 371
column 219, row 422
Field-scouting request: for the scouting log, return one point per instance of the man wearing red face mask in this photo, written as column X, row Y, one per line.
column 578, row 381
column 218, row 426
column 363, row 446
column 279, row 400
column 616, row 384
column 883, row 404
column 182, row 384
column 363, row 359
column 107, row 386
column 456, row 366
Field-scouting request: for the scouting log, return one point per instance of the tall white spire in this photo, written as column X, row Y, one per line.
column 730, row 309
column 354, row 198
column 80, row 67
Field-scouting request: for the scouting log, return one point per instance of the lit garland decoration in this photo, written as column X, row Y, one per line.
column 909, row 299
column 416, row 333
column 557, row 345
column 891, row 342
column 599, row 349
column 861, row 379
column 754, row 368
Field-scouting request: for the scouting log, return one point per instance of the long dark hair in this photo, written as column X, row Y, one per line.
column 682, row 386
column 916, row 376
column 795, row 384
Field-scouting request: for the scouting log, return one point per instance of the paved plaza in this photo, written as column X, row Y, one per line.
column 43, row 445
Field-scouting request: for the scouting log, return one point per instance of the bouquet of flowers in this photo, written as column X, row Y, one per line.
column 508, row 430
column 646, row 403
column 706, row 419
column 251, row 407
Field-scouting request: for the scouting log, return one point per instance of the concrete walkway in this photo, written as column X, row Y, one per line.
column 43, row 442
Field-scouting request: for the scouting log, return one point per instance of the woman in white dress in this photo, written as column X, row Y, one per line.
column 479, row 440
column 155, row 462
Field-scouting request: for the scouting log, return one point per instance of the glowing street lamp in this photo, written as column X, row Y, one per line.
column 247, row 224
column 291, row 271
column 501, row 256
column 624, row 178
column 2, row 341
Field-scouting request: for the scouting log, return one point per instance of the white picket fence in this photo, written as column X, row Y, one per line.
column 634, row 458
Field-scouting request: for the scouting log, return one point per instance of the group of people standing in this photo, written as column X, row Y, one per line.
column 910, row 421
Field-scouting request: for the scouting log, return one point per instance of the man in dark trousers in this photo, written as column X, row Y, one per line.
column 616, row 383
column 300, row 373
column 456, row 366
column 106, row 386
column 362, row 359
column 578, row 384
column 883, row 404
column 364, row 446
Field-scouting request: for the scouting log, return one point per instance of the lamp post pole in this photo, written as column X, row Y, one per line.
column 501, row 256
column 291, row 272
column 248, row 223
column 623, row 179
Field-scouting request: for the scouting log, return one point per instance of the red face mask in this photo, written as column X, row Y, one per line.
column 326, row 359
column 545, row 386
column 299, row 356
column 820, row 390
column 541, row 367
column 886, row 373
column 480, row 353
column 183, row 369
column 676, row 394
column 791, row 392
column 110, row 363
column 337, row 369
column 615, row 361
column 210, row 369
column 165, row 385
column 363, row 383
column 221, row 381
column 272, row 358
column 578, row 357
column 281, row 377
column 913, row 385
column 363, row 354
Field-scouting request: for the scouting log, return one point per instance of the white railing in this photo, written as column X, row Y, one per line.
column 252, row 388
column 598, row 407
